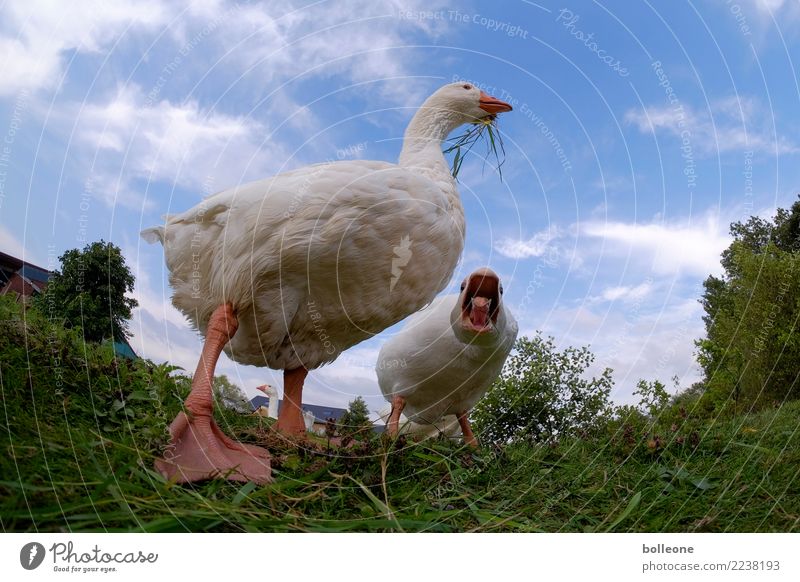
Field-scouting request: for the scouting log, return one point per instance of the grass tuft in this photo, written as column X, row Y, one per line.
column 75, row 461
column 483, row 130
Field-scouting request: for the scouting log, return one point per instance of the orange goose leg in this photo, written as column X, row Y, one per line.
column 198, row 449
column 393, row 424
column 466, row 429
column 290, row 417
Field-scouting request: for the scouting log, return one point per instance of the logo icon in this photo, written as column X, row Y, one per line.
column 31, row 555
column 402, row 254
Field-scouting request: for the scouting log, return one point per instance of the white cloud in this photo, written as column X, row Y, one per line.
column 37, row 33
column 732, row 124
column 767, row 7
column 275, row 37
column 368, row 37
column 536, row 246
column 651, row 338
column 127, row 138
column 690, row 247
column 626, row 292
column 270, row 49
column 9, row 244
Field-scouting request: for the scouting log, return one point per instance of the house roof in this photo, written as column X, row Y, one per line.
column 124, row 349
column 35, row 276
column 10, row 263
column 321, row 413
column 258, row 401
column 34, row 273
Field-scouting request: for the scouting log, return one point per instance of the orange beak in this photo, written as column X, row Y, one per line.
column 493, row 105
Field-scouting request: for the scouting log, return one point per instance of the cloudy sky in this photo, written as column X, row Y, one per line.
column 639, row 133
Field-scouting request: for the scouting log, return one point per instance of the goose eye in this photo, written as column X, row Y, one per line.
column 463, row 285
column 467, row 86
column 501, row 289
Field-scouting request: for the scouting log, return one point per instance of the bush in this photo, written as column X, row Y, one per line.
column 51, row 375
column 355, row 421
column 229, row 395
column 543, row 394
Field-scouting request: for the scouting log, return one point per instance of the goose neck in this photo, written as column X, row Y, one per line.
column 422, row 145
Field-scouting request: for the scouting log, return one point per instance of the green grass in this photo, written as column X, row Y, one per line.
column 78, row 456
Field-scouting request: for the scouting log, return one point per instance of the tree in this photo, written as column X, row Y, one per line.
column 229, row 395
column 355, row 420
column 89, row 292
column 751, row 352
column 543, row 394
column 653, row 396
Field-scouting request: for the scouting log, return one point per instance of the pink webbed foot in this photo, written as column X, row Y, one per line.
column 198, row 449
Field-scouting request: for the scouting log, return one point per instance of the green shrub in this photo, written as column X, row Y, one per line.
column 543, row 395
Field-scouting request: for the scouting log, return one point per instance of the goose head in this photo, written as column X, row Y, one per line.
column 449, row 107
column 478, row 312
column 466, row 103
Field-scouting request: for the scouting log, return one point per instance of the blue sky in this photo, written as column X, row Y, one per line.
column 640, row 131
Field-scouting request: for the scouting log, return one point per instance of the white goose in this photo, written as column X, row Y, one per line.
column 448, row 355
column 308, row 263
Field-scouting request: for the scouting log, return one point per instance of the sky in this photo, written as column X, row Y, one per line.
column 640, row 131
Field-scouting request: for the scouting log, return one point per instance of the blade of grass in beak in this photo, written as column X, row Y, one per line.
column 464, row 143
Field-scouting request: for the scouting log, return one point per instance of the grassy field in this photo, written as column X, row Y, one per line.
column 80, row 431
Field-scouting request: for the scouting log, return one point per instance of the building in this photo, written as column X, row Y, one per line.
column 25, row 280
column 320, row 414
column 21, row 278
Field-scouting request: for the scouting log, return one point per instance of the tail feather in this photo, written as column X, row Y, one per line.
column 153, row 234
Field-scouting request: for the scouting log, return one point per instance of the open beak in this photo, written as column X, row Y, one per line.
column 480, row 302
column 493, row 105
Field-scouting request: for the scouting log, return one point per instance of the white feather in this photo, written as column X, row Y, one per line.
column 436, row 369
column 309, row 258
